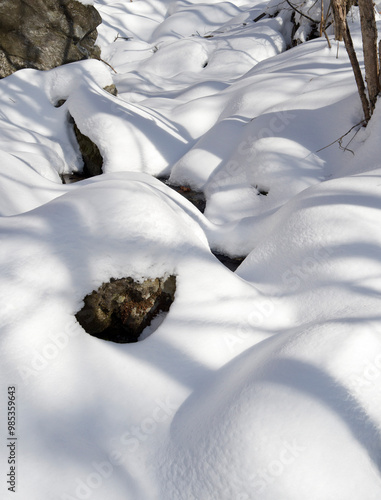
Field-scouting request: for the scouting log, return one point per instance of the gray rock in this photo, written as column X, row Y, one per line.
column 111, row 89
column 44, row 34
column 120, row 309
column 92, row 158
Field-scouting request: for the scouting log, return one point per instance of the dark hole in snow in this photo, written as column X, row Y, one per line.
column 262, row 190
column 197, row 198
column 121, row 309
column 73, row 177
column 91, row 156
column 230, row 262
column 60, row 103
column 205, row 64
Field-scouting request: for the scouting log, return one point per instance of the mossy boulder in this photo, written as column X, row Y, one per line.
column 120, row 309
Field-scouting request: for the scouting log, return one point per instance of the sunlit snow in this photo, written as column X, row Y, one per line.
column 259, row 384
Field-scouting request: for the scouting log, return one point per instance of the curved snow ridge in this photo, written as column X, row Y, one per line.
column 24, row 188
column 236, row 238
column 220, row 56
column 322, row 251
column 225, row 237
column 62, row 81
column 187, row 19
column 125, row 212
column 135, row 20
column 130, row 137
column 282, row 413
column 36, row 132
column 31, row 129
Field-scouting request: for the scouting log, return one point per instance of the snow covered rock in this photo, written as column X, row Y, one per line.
column 43, row 34
column 92, row 158
column 120, row 309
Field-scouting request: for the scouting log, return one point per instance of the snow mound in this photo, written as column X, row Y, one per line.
column 285, row 414
column 284, row 411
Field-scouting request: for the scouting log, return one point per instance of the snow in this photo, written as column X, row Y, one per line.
column 257, row 384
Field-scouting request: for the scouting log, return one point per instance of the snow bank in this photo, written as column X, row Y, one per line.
column 285, row 409
column 282, row 420
column 36, row 131
column 51, row 257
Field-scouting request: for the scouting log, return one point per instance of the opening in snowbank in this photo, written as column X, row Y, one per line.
column 121, row 309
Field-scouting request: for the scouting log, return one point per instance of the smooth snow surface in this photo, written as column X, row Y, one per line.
column 262, row 384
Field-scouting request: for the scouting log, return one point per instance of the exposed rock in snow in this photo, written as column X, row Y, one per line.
column 120, row 309
column 43, row 34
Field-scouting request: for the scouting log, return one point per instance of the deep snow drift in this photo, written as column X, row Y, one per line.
column 261, row 384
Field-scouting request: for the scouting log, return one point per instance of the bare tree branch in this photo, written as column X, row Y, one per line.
column 301, row 13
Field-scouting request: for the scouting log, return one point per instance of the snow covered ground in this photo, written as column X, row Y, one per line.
column 263, row 384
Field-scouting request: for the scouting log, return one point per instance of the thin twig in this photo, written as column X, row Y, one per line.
column 340, row 139
column 354, row 135
column 301, row 13
column 327, row 38
column 109, row 65
column 118, row 37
